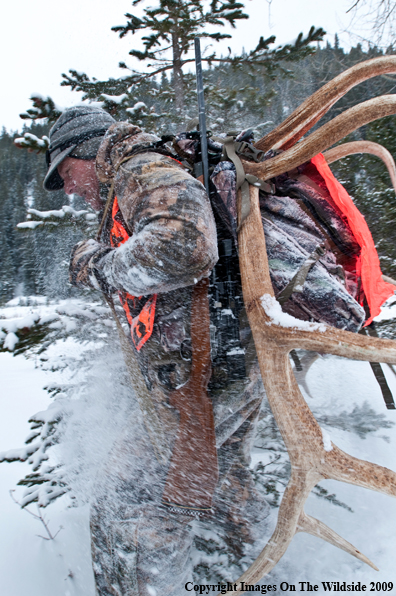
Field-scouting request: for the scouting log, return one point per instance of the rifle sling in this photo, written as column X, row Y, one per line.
column 193, row 470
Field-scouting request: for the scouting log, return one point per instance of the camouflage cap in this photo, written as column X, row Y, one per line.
column 77, row 133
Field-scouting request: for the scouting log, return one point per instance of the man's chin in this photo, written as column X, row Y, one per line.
column 94, row 202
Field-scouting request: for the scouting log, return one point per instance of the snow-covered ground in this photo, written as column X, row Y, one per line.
column 343, row 391
column 28, row 563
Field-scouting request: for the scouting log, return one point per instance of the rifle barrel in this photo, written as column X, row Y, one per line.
column 201, row 113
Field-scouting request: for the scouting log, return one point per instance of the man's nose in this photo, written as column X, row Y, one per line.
column 69, row 186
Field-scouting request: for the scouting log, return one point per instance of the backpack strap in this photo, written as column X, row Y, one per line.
column 231, row 148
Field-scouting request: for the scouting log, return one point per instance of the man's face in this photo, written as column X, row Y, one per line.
column 79, row 177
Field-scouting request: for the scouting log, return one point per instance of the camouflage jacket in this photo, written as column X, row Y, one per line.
column 167, row 212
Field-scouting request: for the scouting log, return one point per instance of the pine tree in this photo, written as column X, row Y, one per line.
column 171, row 27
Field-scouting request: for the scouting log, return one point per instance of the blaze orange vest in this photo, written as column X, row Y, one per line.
column 140, row 311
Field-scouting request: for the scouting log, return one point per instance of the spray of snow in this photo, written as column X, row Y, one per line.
column 274, row 310
column 101, row 405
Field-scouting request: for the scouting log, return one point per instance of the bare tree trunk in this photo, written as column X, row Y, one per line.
column 178, row 83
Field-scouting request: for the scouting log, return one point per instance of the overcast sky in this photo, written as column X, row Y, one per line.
column 41, row 39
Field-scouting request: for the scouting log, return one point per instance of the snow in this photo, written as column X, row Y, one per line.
column 90, row 218
column 62, row 567
column 80, row 213
column 28, row 138
column 25, row 301
column 57, row 106
column 118, row 99
column 388, row 310
column 10, row 341
column 326, row 440
column 30, row 225
column 28, row 563
column 12, row 325
column 138, row 107
column 227, row 312
column 46, row 214
column 235, row 351
column 274, row 310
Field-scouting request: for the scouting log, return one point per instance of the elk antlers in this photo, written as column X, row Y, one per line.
column 312, row 457
column 313, row 108
column 327, row 135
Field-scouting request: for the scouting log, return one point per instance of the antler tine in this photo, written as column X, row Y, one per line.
column 363, row 147
column 328, row 340
column 315, row 527
column 289, row 517
column 312, row 456
column 291, row 520
column 343, row 467
column 313, row 108
column 327, row 135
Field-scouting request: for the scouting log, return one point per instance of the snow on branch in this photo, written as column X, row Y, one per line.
column 32, row 143
column 83, row 218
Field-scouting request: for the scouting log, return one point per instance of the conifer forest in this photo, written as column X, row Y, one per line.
column 236, row 99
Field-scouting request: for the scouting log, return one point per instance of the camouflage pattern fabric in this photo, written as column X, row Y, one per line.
column 296, row 220
column 173, row 234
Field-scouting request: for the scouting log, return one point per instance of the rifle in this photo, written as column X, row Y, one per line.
column 193, row 471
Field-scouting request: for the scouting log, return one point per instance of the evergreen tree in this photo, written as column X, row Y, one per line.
column 171, row 27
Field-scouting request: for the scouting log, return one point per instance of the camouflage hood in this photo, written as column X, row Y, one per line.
column 120, row 141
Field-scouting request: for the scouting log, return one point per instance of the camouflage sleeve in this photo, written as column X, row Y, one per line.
column 173, row 239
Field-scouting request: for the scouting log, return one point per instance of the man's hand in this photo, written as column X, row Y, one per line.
column 83, row 268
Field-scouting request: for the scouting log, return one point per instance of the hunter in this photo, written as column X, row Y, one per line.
column 158, row 245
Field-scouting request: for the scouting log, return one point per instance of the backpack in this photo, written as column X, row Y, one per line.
column 312, row 253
